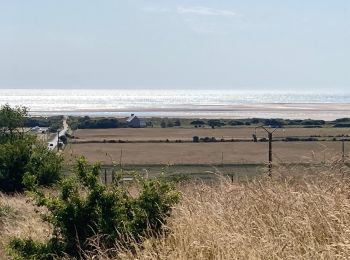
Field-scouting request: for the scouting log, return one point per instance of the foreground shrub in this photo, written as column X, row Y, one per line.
column 26, row 156
column 31, row 250
column 45, row 165
column 14, row 158
column 85, row 208
column 22, row 154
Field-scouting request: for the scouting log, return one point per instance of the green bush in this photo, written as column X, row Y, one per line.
column 177, row 122
column 43, row 121
column 45, row 165
column 85, row 208
column 28, row 249
column 22, row 154
column 257, row 120
column 274, row 122
column 310, row 122
column 342, row 120
column 11, row 119
column 27, row 156
column 169, row 124
column 198, row 123
column 215, row 123
column 291, row 139
column 163, row 124
column 342, row 125
column 64, row 139
column 208, row 139
column 94, row 123
column 235, row 123
column 14, row 158
column 294, row 121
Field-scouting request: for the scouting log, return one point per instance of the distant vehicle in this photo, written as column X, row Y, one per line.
column 36, row 129
column 51, row 145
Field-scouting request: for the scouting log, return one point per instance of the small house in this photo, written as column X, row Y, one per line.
column 135, row 122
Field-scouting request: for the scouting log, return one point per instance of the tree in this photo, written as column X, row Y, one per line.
column 177, row 122
column 214, row 122
column 94, row 123
column 163, row 124
column 274, row 122
column 22, row 154
column 11, row 120
column 198, row 123
column 235, row 123
column 310, row 122
column 64, row 139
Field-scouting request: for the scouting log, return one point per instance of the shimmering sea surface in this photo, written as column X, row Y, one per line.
column 180, row 103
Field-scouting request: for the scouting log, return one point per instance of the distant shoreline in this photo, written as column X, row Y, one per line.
column 206, row 104
column 324, row 111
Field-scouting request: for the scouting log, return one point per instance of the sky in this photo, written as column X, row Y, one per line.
column 193, row 44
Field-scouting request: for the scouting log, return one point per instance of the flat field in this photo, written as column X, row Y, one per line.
column 204, row 153
column 147, row 134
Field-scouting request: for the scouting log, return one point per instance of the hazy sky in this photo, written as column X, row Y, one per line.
column 246, row 44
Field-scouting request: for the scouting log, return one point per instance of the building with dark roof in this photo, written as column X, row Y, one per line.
column 135, row 122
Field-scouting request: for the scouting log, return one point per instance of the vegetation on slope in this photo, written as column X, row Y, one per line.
column 301, row 214
column 84, row 208
column 21, row 154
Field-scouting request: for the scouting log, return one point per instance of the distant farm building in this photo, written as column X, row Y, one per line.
column 135, row 122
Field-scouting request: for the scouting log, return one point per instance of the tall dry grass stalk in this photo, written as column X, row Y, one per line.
column 301, row 213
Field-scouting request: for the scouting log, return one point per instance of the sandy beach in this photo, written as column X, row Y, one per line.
column 323, row 111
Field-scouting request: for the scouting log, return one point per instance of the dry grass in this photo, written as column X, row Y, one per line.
column 303, row 216
column 300, row 213
column 21, row 219
column 205, row 153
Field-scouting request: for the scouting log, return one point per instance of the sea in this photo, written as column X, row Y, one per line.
column 179, row 103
